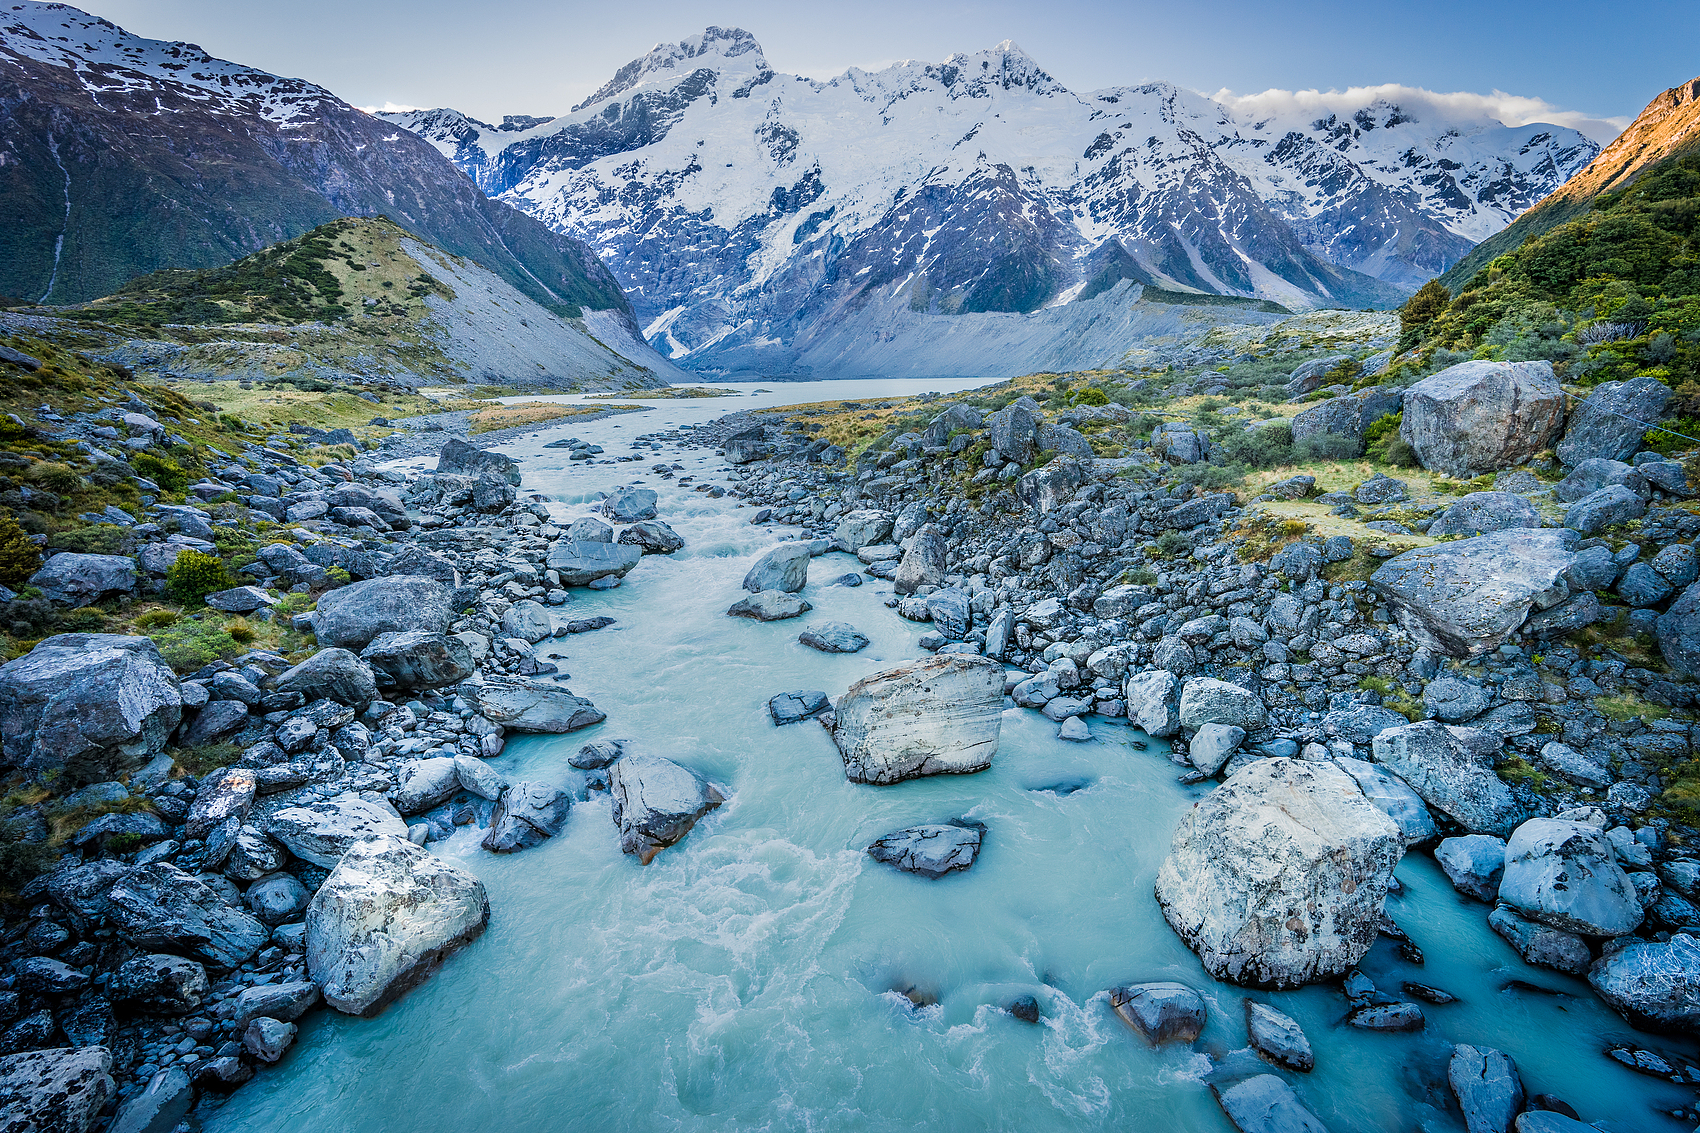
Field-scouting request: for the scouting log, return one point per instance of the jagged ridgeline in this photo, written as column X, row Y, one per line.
column 348, row 267
column 1612, row 294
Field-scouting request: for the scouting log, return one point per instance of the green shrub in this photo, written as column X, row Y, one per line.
column 1142, row 576
column 1326, row 446
column 1401, row 455
column 61, row 479
column 1172, row 543
column 1268, row 447
column 18, row 556
column 100, row 539
column 1091, row 395
column 195, row 575
column 168, row 474
column 195, row 641
column 1380, row 433
column 22, row 862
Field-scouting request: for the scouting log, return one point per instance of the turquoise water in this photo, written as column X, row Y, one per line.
column 747, row 979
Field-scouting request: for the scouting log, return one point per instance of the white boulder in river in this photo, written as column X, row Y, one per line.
column 1277, row 878
column 938, row 716
column 1565, row 874
column 656, row 802
column 384, row 920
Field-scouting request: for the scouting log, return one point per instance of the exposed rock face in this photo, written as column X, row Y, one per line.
column 1483, row 416
column 419, row 659
column 160, row 907
column 784, row 568
column 321, row 832
column 385, row 919
column 55, row 1091
column 1565, row 874
column 580, row 564
column 1466, row 598
column 93, row 704
column 1483, row 513
column 352, row 616
column 332, row 674
column 931, row 851
column 462, row 459
column 78, row 580
column 1609, row 423
column 525, row 705
column 1452, row 772
column 656, row 802
column 1653, row 985
column 937, row 716
column 1161, row 1012
column 1277, row 877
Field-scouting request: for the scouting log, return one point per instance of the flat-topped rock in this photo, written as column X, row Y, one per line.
column 937, row 716
column 933, row 850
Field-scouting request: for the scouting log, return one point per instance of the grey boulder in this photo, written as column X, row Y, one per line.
column 580, row 564
column 1466, row 598
column 1161, row 1012
column 461, row 459
column 784, row 567
column 1278, row 1037
column 1595, row 473
column 1393, row 797
column 1452, row 769
column 526, row 705
column 1487, row 1086
column 931, row 851
column 419, row 659
column 1541, row 945
column 1277, row 877
column 1153, row 702
column 1610, row 422
column 769, row 606
column 791, row 707
column 629, row 505
column 1607, row 507
column 862, row 528
column 92, row 704
column 652, row 537
column 160, row 908
column 923, row 564
column 332, row 674
column 1654, row 985
column 1206, row 700
column 55, row 1091
column 159, row 984
column 1482, row 416
column 160, row 1106
column 350, row 617
column 936, row 716
column 322, row 831
column 656, row 802
column 527, row 813
column 424, row 783
column 1565, row 874
column 1474, row 864
column 385, row 919
column 1265, row 1104
column 241, row 600
column 1483, row 513
column 1677, row 631
column 833, row 637
column 68, row 579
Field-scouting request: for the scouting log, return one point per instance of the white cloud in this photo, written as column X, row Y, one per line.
column 1511, row 109
column 392, row 108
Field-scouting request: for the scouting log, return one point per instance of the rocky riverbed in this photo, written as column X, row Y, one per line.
column 1351, row 722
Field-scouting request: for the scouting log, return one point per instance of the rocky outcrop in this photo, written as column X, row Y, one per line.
column 55, row 1091
column 92, row 704
column 1466, row 598
column 385, row 919
column 1653, row 984
column 352, row 616
column 526, row 705
column 1565, row 874
column 1452, row 769
column 1613, row 418
column 1277, row 877
column 462, row 459
column 656, row 802
column 937, row 716
column 932, row 850
column 1482, row 416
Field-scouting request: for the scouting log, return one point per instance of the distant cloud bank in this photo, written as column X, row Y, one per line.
column 1511, row 109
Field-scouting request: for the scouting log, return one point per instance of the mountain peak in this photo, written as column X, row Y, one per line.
column 714, row 48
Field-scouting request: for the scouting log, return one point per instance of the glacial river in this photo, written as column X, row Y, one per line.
column 747, row 979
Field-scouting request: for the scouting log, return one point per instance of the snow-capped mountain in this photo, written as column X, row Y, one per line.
column 752, row 215
column 121, row 155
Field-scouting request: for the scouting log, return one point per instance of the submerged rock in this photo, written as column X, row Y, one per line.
column 385, row 919
column 937, row 716
column 1162, row 1012
column 1277, row 877
column 656, row 802
column 931, row 851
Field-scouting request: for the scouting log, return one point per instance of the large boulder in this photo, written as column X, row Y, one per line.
column 1466, row 598
column 1481, row 416
column 1487, row 1086
column 1394, row 798
column 1483, row 513
column 769, row 606
column 1048, row 488
column 160, row 908
column 580, row 564
column 1453, row 770
column 1206, row 700
column 526, row 814
column 1607, row 507
column 652, row 537
column 784, row 567
column 1015, row 430
column 1565, row 874
column 526, row 705
column 419, row 659
column 863, row 528
column 55, row 1091
column 461, row 459
column 384, row 920
column 1153, row 702
column 159, row 984
column 941, row 715
column 78, row 580
column 93, row 704
column 352, row 616
column 1265, row 1104
column 332, row 674
column 1654, row 985
column 1277, row 878
column 1347, row 416
column 1613, row 419
column 322, row 831
column 628, row 505
column 1677, row 631
column 923, row 563
column 932, row 850
column 1595, row 473
column 656, row 802
column 748, row 446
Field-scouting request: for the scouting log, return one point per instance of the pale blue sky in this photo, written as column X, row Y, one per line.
column 540, row 57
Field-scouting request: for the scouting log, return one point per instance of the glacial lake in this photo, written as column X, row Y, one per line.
column 749, row 978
